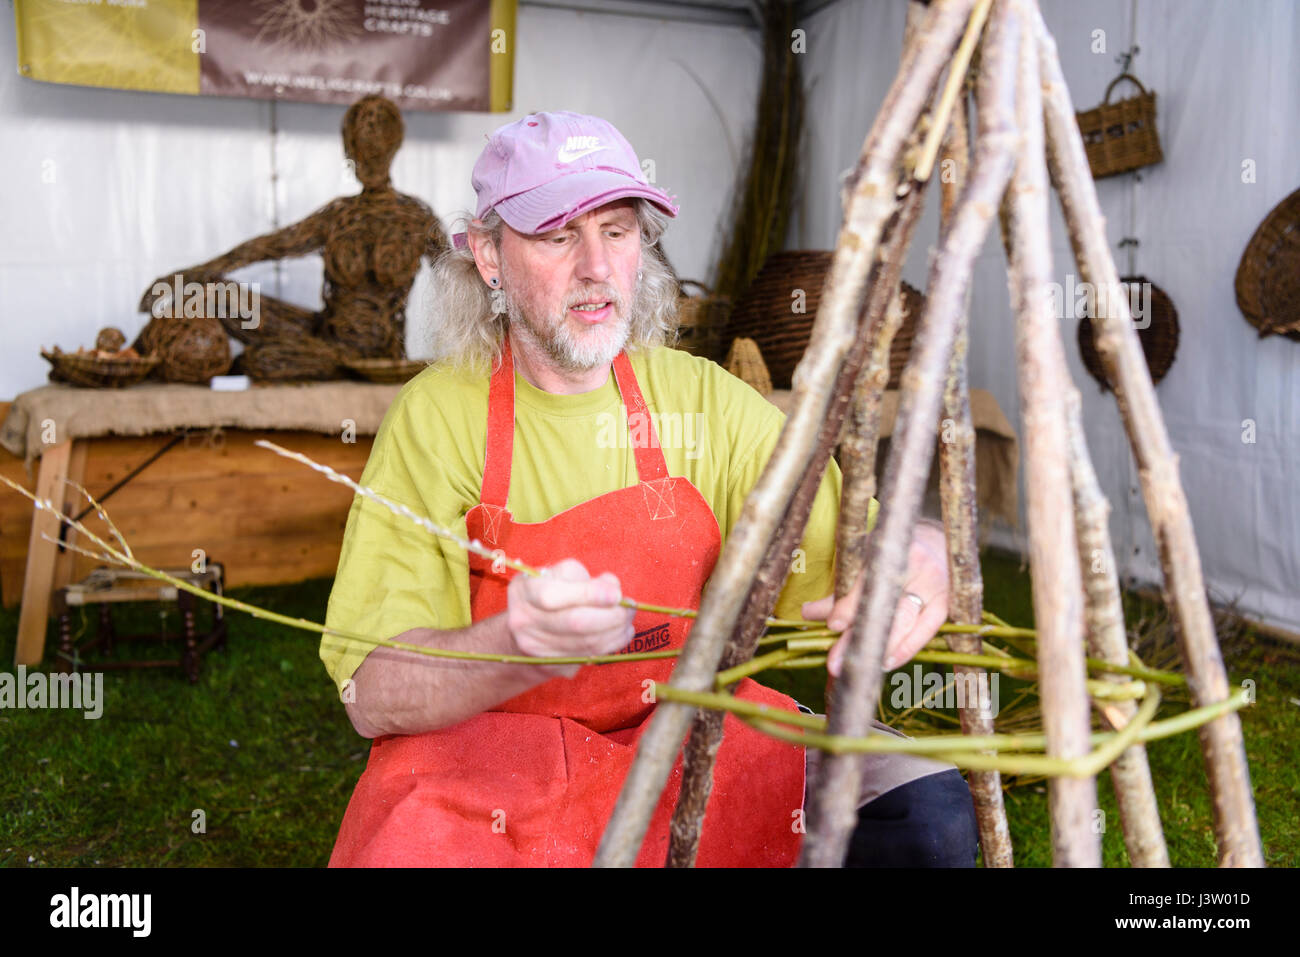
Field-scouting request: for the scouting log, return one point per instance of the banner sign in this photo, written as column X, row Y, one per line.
column 421, row 54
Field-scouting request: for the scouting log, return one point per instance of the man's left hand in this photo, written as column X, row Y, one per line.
column 915, row 623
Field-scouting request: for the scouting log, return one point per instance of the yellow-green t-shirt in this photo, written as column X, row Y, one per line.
column 714, row 429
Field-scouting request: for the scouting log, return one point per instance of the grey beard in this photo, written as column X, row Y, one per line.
column 561, row 346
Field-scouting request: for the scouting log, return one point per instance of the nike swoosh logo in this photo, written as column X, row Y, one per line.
column 565, row 156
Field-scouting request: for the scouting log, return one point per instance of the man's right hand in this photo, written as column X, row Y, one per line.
column 567, row 613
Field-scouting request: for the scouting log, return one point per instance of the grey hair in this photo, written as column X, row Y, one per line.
column 467, row 328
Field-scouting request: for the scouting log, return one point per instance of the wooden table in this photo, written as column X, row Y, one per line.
column 267, row 519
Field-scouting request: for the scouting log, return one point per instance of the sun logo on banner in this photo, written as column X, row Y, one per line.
column 317, row 25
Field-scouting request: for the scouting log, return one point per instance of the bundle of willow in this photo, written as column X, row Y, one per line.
column 761, row 202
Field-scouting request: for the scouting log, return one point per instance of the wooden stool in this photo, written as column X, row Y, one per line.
column 105, row 586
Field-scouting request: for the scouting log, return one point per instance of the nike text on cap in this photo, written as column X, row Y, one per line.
column 542, row 171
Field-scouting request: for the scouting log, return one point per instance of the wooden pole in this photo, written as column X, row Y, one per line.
column 833, row 795
column 1121, row 354
column 872, row 203
column 706, row 728
column 1104, row 615
column 1053, row 553
column 960, row 520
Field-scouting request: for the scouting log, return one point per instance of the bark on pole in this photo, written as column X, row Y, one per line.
column 706, row 728
column 957, row 500
column 1053, row 553
column 1121, row 354
column 1104, row 615
column 833, row 795
column 872, row 203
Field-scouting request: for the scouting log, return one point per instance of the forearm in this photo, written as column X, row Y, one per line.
column 399, row 692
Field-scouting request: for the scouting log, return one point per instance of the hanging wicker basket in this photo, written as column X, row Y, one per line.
column 1159, row 339
column 1121, row 136
column 778, row 309
column 1268, row 278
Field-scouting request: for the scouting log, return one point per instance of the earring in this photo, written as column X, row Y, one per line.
column 495, row 281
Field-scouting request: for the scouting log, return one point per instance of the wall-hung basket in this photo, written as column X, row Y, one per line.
column 1268, row 279
column 766, row 313
column 1159, row 339
column 1121, row 136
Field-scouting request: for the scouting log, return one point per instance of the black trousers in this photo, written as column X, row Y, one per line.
column 928, row 822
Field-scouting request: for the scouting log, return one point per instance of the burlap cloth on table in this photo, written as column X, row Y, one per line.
column 156, row 407
column 996, row 456
column 322, row 406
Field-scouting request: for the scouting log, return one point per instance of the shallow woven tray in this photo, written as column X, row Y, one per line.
column 1268, row 278
column 765, row 314
column 1159, row 339
column 91, row 372
column 387, row 370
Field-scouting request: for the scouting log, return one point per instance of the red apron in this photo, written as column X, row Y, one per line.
column 533, row 781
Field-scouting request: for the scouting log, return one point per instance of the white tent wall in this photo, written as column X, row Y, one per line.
column 102, row 191
column 1228, row 91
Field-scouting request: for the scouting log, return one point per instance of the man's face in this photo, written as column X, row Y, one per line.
column 571, row 290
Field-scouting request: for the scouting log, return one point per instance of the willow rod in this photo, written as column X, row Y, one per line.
column 832, row 334
column 706, row 727
column 832, row 804
column 1236, row 828
column 1135, row 794
column 1053, row 555
column 960, row 514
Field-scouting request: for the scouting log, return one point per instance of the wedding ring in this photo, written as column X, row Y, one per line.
column 913, row 596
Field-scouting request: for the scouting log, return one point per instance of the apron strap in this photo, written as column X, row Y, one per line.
column 650, row 465
column 500, row 432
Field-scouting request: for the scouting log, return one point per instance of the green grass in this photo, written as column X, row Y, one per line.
column 262, row 746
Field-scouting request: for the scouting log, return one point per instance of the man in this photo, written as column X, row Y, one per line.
column 559, row 431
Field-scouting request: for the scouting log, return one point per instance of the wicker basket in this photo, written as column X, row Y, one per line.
column 766, row 313
column 1121, row 136
column 387, row 370
column 699, row 321
column 1268, row 278
column 1159, row 339
column 92, row 372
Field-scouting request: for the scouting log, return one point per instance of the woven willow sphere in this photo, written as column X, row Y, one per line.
column 110, row 339
column 191, row 350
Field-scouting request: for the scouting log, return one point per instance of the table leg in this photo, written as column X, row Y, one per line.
column 42, row 556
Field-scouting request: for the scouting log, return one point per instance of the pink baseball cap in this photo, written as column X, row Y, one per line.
column 542, row 171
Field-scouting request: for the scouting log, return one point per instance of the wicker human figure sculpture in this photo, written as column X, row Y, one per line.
column 371, row 243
